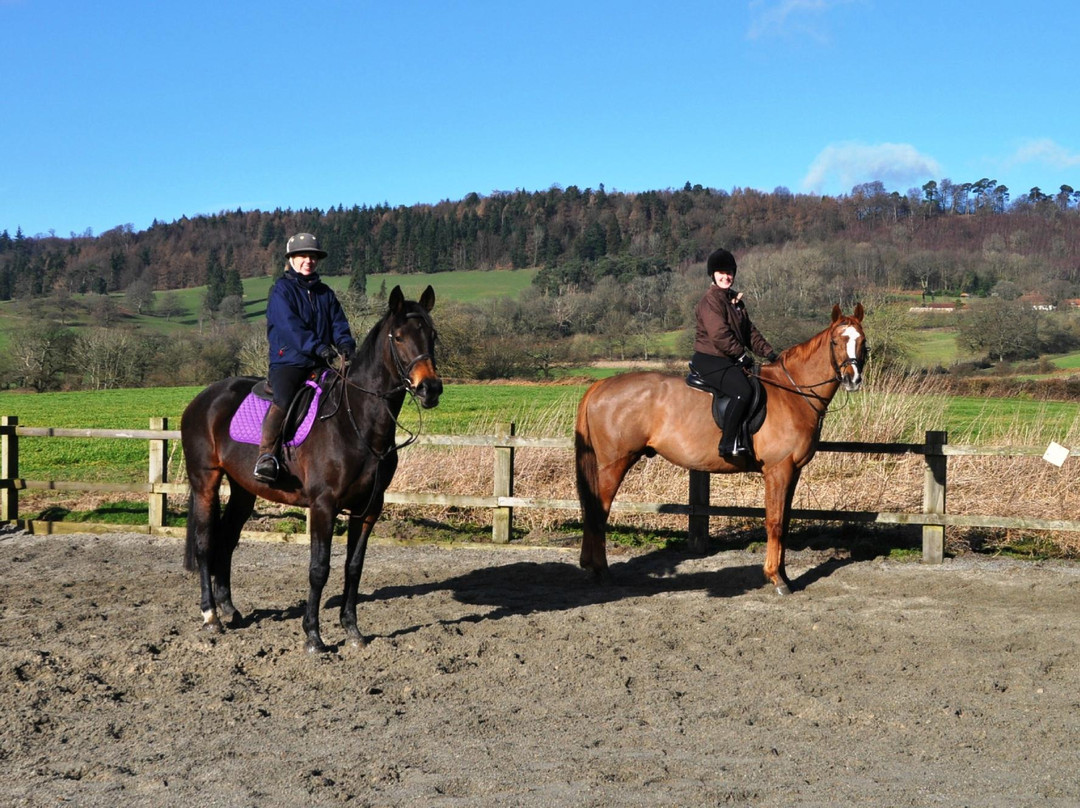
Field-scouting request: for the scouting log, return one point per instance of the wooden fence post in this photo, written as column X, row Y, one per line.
column 933, row 536
column 502, row 519
column 698, row 521
column 9, row 468
column 159, row 462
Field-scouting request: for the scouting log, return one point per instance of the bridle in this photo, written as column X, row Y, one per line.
column 808, row 391
column 405, row 371
column 404, row 384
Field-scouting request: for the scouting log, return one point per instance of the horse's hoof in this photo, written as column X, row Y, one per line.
column 212, row 625
column 782, row 589
column 231, row 617
column 317, row 646
column 354, row 639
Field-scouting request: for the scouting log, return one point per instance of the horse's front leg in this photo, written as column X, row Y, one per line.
column 780, row 482
column 360, row 526
column 322, row 534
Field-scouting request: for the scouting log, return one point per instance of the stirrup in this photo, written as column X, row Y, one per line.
column 266, row 468
column 736, row 449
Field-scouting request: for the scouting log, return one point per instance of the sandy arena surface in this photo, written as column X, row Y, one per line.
column 506, row 677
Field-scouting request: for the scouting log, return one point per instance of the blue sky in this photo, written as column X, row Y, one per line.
column 121, row 112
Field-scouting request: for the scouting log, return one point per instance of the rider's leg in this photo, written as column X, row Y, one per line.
column 266, row 467
column 730, row 445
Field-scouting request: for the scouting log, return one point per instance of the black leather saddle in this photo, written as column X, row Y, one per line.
column 755, row 413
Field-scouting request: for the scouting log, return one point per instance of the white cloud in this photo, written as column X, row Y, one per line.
column 841, row 166
column 799, row 17
column 1046, row 152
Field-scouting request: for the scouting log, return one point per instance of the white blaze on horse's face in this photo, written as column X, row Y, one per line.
column 851, row 336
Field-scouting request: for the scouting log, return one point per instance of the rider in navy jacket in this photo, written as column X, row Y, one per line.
column 305, row 327
column 303, row 319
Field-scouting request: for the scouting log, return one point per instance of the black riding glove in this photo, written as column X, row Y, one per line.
column 345, row 353
column 746, row 360
column 773, row 356
column 327, row 353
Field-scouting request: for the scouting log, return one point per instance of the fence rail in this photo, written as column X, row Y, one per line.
column 933, row 518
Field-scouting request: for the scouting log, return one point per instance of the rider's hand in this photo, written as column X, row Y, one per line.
column 746, row 360
column 773, row 356
column 345, row 353
column 327, row 353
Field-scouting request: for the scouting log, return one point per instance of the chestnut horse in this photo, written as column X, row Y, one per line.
column 626, row 417
column 345, row 464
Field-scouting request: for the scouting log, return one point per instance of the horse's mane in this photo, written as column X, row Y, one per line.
column 798, row 354
column 367, row 348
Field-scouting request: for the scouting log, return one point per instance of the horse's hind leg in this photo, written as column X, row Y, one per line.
column 239, row 507
column 203, row 516
column 596, row 508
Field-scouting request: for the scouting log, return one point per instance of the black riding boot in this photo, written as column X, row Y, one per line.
column 266, row 467
column 730, row 445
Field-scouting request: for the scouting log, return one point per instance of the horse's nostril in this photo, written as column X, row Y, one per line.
column 429, row 391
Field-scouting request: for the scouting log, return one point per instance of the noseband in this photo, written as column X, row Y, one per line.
column 849, row 362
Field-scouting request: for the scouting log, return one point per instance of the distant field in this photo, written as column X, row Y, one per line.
column 466, row 286
column 932, row 347
column 470, row 286
column 1069, row 361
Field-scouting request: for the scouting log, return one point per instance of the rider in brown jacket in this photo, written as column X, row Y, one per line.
column 724, row 341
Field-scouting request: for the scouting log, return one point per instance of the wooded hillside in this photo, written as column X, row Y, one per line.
column 945, row 236
column 616, row 276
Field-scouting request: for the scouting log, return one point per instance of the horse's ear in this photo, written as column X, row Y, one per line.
column 397, row 300
column 836, row 313
column 858, row 315
column 427, row 300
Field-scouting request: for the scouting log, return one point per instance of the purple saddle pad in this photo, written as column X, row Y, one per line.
column 246, row 424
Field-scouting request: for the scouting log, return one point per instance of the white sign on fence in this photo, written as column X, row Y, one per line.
column 1056, row 453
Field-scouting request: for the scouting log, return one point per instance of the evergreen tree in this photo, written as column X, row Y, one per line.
column 215, row 281
column 234, row 287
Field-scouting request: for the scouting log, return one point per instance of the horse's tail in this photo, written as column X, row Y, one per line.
column 190, row 564
column 588, row 475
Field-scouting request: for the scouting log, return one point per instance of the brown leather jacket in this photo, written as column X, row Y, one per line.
column 724, row 327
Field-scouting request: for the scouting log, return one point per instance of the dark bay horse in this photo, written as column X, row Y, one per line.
column 624, row 418
column 345, row 464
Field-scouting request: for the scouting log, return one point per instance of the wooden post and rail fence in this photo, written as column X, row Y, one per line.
column 933, row 518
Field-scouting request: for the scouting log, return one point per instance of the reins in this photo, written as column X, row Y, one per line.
column 807, row 390
column 404, row 385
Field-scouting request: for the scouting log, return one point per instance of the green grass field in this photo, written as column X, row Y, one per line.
column 934, row 347
column 1069, row 361
column 471, row 286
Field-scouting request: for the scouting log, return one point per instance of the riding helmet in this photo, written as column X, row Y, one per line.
column 720, row 261
column 304, row 243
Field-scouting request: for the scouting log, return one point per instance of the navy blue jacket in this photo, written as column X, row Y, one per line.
column 302, row 315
